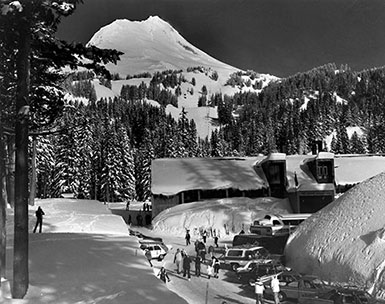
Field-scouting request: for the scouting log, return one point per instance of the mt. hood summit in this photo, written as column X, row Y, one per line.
column 152, row 45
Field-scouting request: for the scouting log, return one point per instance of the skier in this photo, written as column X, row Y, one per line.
column 178, row 260
column 163, row 275
column 187, row 237
column 39, row 219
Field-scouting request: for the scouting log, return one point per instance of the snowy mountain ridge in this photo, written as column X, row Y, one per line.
column 152, row 45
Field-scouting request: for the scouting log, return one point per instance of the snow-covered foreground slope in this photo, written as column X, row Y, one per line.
column 222, row 214
column 85, row 255
column 345, row 241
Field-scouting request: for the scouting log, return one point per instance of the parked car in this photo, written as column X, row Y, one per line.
column 297, row 286
column 145, row 237
column 340, row 295
column 255, row 268
column 235, row 257
column 273, row 243
column 158, row 250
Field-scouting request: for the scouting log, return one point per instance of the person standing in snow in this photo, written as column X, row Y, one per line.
column 187, row 237
column 196, row 244
column 178, row 260
column 216, row 241
column 210, row 271
column 163, row 275
column 259, row 289
column 275, row 288
column 186, row 266
column 148, row 256
column 216, row 266
column 39, row 219
column 198, row 261
column 204, row 236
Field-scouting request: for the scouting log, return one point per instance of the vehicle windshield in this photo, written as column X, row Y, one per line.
column 318, row 283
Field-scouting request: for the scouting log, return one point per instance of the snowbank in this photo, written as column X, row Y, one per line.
column 222, row 215
column 345, row 241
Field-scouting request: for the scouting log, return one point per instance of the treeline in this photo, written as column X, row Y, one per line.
column 287, row 116
column 106, row 148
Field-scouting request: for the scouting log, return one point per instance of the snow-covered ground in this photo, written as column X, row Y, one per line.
column 84, row 255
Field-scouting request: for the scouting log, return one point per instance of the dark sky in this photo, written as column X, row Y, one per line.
column 280, row 37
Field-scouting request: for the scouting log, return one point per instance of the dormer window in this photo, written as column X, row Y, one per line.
column 324, row 171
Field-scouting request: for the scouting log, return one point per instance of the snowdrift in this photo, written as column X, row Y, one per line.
column 345, row 241
column 227, row 215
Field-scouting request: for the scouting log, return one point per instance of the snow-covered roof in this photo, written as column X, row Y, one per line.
column 352, row 169
column 171, row 176
column 296, row 164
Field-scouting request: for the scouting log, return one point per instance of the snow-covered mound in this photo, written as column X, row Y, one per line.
column 345, row 241
column 229, row 214
column 152, row 45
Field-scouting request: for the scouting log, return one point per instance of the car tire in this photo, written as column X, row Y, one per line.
column 282, row 296
column 161, row 257
column 234, row 266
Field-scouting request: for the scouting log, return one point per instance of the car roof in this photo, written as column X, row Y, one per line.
column 148, row 241
column 245, row 247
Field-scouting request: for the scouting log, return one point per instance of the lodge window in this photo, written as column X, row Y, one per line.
column 322, row 172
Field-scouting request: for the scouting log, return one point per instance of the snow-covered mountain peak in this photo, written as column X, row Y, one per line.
column 152, row 45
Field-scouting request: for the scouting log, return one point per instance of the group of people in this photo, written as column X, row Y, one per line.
column 204, row 235
column 146, row 206
column 182, row 259
column 260, row 288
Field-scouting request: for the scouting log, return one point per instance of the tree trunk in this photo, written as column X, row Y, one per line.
column 3, row 203
column 20, row 263
column 32, row 192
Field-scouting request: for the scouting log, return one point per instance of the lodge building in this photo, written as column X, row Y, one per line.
column 310, row 182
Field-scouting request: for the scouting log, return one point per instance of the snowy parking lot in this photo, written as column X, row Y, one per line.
column 225, row 288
